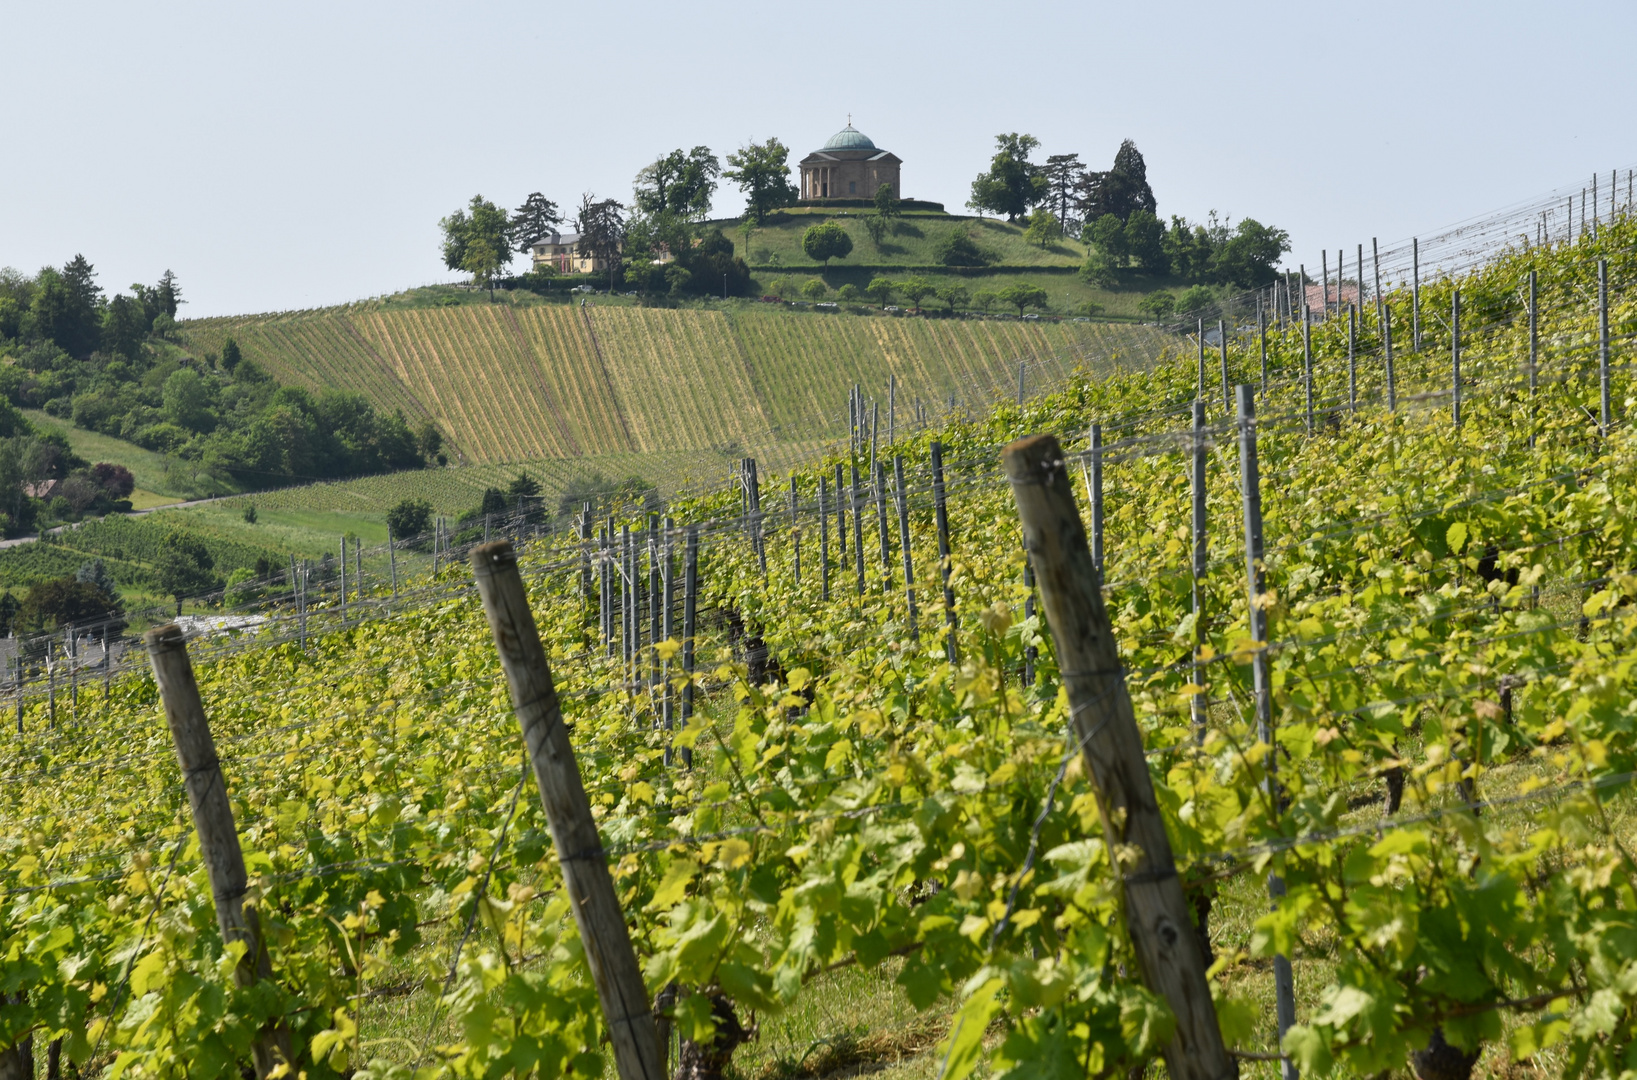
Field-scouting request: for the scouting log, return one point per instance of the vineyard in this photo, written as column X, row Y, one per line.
column 1382, row 680
column 524, row 383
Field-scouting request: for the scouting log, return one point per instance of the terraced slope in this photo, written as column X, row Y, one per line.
column 513, row 383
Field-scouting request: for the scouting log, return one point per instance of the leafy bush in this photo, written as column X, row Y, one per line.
column 957, row 248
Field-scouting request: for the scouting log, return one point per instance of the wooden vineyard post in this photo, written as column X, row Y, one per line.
column 858, row 532
column 1199, row 703
column 213, row 821
column 690, row 612
column 1375, row 258
column 941, row 508
column 1250, row 477
column 1352, row 361
column 1415, row 295
column 1307, row 364
column 795, row 534
column 903, row 541
column 1534, row 352
column 1167, row 948
column 1200, row 323
column 879, row 482
column 1222, row 340
column 1262, row 335
column 1094, row 495
column 1324, row 270
column 1387, row 345
column 343, row 579
column 824, row 542
column 585, row 553
column 1021, row 365
column 607, row 942
column 1605, row 413
column 667, row 628
column 841, row 521
column 1031, row 653
column 392, row 560
column 655, row 621
column 358, row 568
column 1455, row 356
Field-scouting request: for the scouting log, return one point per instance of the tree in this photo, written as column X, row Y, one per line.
column 187, row 401
column 954, row 296
column 185, row 568
column 67, row 307
column 886, row 205
column 67, row 601
column 409, row 519
column 1023, row 295
column 602, row 231
column 124, row 325
column 1248, row 258
column 478, row 241
column 678, row 278
column 680, row 184
column 762, row 173
column 116, row 480
column 1196, row 298
column 880, row 290
column 916, row 289
column 1121, row 191
column 493, row 504
column 429, row 442
column 826, row 241
column 1187, row 250
column 1044, row 227
column 1013, row 183
column 230, row 355
column 814, row 289
column 1157, row 304
column 847, row 293
column 1145, row 241
column 532, row 222
column 523, row 486
column 957, row 248
column 876, row 226
column 1062, row 173
column 985, row 299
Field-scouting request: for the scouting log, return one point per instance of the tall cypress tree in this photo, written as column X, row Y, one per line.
column 1122, row 190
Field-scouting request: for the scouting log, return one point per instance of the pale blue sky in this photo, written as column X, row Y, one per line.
column 298, row 154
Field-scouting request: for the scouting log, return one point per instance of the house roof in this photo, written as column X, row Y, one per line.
column 556, row 239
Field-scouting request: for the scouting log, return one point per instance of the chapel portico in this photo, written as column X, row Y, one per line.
column 849, row 166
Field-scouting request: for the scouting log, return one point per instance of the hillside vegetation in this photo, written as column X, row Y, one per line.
column 511, row 383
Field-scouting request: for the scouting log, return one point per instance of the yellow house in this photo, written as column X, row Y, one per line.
column 561, row 252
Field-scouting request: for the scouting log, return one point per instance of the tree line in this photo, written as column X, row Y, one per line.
column 1115, row 212
column 115, row 365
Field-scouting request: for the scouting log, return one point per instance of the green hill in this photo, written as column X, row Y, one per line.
column 526, row 379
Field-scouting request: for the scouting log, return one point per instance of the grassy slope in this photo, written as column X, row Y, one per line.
column 518, row 382
column 149, row 469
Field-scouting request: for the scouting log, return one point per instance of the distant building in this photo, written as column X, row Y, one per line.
column 849, row 166
column 561, row 251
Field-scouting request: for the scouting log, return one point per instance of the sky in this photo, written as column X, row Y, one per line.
column 293, row 155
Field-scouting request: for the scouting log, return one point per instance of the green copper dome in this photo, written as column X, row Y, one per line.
column 849, row 138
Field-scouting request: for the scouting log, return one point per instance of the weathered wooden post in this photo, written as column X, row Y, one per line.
column 1250, row 478
column 941, row 508
column 596, row 906
column 1157, row 913
column 213, row 821
column 913, row 620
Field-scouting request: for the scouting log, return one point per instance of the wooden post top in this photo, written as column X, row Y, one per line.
column 494, row 558
column 1033, row 459
column 167, row 638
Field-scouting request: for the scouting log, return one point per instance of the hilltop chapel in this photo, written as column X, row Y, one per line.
column 848, row 166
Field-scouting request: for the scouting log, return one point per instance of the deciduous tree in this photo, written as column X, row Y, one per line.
column 679, row 183
column 762, row 172
column 478, row 241
column 185, row 568
column 916, row 289
column 880, row 290
column 1022, row 295
column 826, row 241
column 1012, row 183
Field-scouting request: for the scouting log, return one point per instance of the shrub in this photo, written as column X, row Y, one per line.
column 1196, row 298
column 957, row 248
column 1157, row 304
column 847, row 293
column 409, row 519
column 814, row 289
